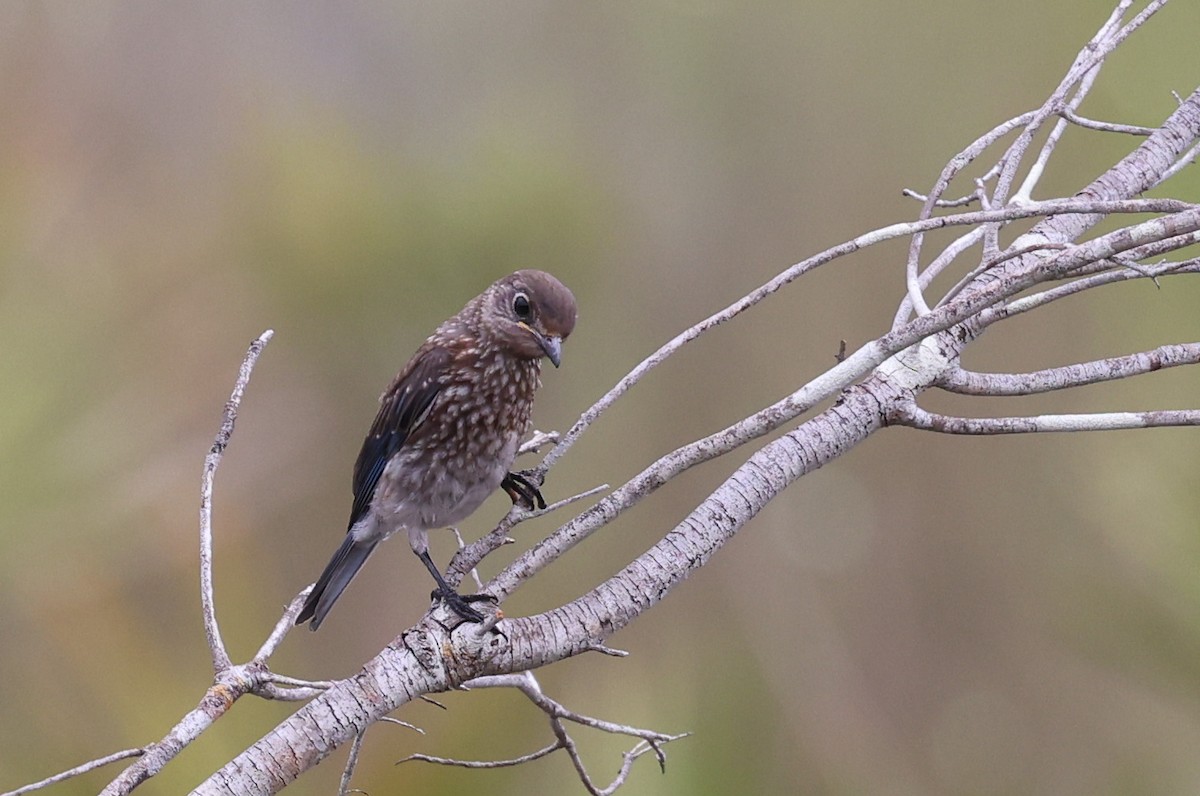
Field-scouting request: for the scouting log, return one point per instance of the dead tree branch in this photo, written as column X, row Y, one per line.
column 876, row 386
column 527, row 684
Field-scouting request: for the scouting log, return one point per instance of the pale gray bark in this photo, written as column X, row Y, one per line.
column 899, row 366
column 877, row 385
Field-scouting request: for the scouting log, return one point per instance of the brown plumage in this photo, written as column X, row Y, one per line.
column 448, row 429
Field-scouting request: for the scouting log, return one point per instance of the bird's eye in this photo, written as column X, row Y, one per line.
column 521, row 306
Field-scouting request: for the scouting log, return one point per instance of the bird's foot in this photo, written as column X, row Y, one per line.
column 460, row 604
column 522, row 486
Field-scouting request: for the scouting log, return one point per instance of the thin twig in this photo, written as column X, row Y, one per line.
column 1044, row 297
column 1083, row 71
column 216, row 646
column 931, row 272
column 1108, row 127
column 951, row 170
column 881, row 235
column 1078, row 80
column 394, row 720
column 469, row 556
column 1090, row 57
column 230, row 682
column 1125, row 261
column 538, row 440
column 961, row 201
column 91, row 765
column 286, row 622
column 512, row 761
column 606, row 650
column 915, row 417
column 567, row 501
column 295, row 682
column 1034, row 175
column 1012, row 253
column 965, row 382
column 351, row 762
column 474, row 573
column 278, row 693
column 528, row 685
column 1185, row 160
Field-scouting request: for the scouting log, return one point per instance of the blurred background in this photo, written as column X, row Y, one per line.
column 925, row 615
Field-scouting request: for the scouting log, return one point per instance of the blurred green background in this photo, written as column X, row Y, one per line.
column 926, row 615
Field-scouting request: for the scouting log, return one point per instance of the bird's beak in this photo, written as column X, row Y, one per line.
column 552, row 345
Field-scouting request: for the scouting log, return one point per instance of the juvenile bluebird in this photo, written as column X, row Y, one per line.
column 448, row 429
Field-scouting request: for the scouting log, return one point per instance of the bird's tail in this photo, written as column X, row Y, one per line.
column 342, row 568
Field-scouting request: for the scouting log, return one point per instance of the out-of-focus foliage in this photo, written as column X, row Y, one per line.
column 928, row 615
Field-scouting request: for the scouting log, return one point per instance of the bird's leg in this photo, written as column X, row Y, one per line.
column 520, row 486
column 458, row 603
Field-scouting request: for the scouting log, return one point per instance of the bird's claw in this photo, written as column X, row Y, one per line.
column 521, row 487
column 460, row 604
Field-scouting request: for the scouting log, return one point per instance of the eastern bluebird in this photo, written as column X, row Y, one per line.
column 448, row 429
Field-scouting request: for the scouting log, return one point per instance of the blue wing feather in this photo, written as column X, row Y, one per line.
column 402, row 409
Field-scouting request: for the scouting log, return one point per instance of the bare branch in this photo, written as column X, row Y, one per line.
column 913, row 416
column 419, row 661
column 567, row 501
column 276, row 693
column 931, row 272
column 606, row 650
column 1034, row 175
column 1108, row 127
column 413, row 727
column 469, row 556
column 474, row 573
column 1079, row 79
column 229, row 686
column 89, row 766
column 1013, row 212
column 951, row 170
column 1086, row 63
column 961, row 201
column 283, row 626
column 512, row 761
column 230, row 682
column 1041, row 299
column 967, row 382
column 876, row 385
column 537, row 441
column 527, row 684
column 294, row 682
column 915, row 228
column 1012, row 253
column 351, row 762
column 869, row 356
column 220, row 657
column 1185, row 160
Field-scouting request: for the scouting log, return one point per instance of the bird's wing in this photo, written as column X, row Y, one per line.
column 402, row 409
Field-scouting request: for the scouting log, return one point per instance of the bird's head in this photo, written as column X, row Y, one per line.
column 531, row 312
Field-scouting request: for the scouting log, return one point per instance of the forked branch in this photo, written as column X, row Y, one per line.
column 877, row 385
column 527, row 684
